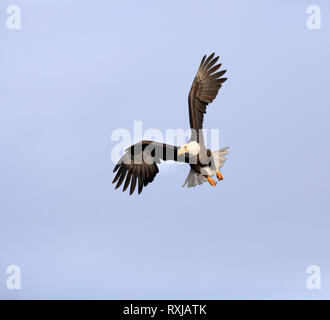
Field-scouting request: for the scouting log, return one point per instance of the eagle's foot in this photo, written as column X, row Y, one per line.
column 211, row 182
column 219, row 176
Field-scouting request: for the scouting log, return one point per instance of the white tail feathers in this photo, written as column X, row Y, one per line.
column 219, row 157
column 194, row 178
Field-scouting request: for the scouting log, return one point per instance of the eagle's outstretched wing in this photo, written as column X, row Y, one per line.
column 139, row 163
column 203, row 91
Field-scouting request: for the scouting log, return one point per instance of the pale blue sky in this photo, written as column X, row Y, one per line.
column 77, row 70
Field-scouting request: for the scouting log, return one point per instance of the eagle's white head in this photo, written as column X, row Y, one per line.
column 192, row 148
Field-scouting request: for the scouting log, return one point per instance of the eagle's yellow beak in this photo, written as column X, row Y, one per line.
column 181, row 151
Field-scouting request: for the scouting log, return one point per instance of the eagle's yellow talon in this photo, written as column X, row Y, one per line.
column 219, row 175
column 211, row 182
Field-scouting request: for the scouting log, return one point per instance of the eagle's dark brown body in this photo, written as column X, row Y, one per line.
column 199, row 165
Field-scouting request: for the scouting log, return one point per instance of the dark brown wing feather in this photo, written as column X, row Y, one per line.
column 203, row 91
column 139, row 164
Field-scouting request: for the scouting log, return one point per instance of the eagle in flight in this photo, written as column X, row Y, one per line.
column 138, row 166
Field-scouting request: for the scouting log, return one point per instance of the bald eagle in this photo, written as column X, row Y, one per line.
column 138, row 166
